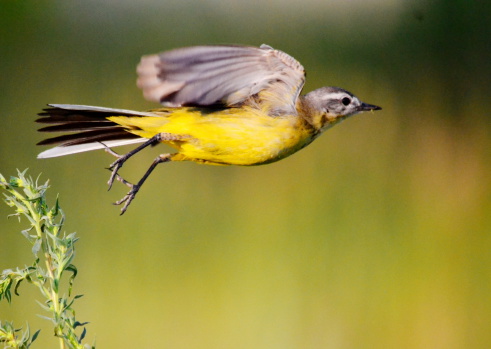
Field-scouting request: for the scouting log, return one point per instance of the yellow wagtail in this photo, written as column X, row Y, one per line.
column 223, row 105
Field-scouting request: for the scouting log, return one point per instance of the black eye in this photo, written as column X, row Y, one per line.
column 346, row 101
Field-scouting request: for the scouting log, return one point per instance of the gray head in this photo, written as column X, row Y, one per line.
column 336, row 103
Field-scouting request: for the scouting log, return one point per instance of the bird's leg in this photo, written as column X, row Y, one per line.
column 135, row 187
column 159, row 137
column 116, row 165
column 121, row 159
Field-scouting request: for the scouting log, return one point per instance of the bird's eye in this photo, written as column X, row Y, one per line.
column 346, row 101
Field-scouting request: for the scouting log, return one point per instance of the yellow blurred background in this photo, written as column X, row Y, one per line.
column 378, row 235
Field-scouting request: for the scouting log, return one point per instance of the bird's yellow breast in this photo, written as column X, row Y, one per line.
column 235, row 136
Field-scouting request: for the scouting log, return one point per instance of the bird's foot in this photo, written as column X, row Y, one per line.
column 128, row 198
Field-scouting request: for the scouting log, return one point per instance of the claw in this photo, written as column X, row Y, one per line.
column 110, row 151
column 124, row 181
column 128, row 198
column 114, row 168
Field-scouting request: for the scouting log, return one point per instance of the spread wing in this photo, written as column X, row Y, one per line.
column 227, row 75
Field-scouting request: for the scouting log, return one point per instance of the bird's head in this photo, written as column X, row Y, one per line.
column 333, row 104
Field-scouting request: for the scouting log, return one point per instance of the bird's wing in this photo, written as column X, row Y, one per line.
column 227, row 75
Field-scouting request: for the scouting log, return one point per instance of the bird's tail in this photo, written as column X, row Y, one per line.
column 87, row 126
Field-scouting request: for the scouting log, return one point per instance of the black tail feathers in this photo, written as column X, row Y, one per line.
column 84, row 125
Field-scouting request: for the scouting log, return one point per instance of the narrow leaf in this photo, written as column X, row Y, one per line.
column 35, row 335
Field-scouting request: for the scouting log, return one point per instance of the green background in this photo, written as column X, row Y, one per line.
column 378, row 235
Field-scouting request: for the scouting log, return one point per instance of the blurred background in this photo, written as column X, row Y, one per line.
column 378, row 235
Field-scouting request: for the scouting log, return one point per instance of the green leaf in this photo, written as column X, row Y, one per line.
column 16, row 182
column 74, row 271
column 78, row 324
column 82, row 336
column 35, row 335
column 56, row 208
column 36, row 247
column 6, row 284
column 16, row 289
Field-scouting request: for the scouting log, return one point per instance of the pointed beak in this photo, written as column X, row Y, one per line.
column 368, row 107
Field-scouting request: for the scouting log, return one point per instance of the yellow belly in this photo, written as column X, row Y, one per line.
column 236, row 136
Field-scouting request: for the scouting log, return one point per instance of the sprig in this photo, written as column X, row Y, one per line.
column 10, row 338
column 53, row 252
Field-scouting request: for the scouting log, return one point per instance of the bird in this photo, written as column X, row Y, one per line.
column 220, row 105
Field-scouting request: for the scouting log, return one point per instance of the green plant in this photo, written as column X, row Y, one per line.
column 54, row 252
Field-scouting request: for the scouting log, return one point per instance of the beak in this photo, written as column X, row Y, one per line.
column 367, row 107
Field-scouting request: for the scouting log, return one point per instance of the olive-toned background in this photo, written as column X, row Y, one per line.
column 378, row 235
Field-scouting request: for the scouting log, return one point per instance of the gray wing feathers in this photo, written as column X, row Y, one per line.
column 206, row 75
